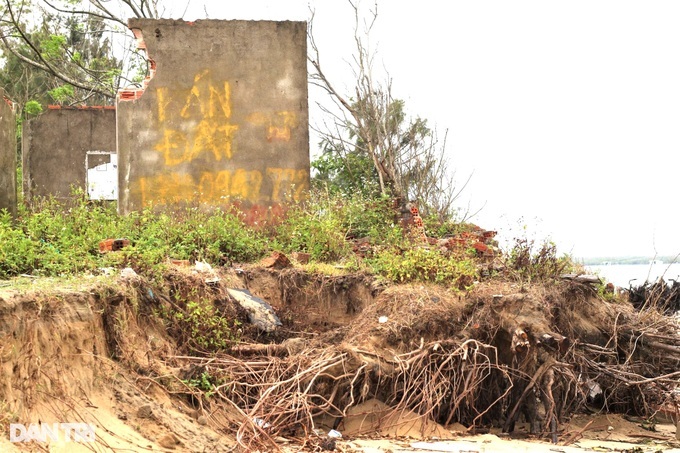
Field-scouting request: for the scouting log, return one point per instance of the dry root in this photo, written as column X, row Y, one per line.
column 488, row 358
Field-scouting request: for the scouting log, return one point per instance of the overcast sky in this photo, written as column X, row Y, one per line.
column 567, row 114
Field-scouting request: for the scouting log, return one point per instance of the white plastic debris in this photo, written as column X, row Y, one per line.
column 594, row 389
column 261, row 423
column 203, row 267
column 128, row 272
column 335, row 434
column 382, row 319
column 260, row 313
column 211, row 278
column 106, row 270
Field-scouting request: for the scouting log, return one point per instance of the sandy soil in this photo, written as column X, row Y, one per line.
column 55, row 366
column 490, row 443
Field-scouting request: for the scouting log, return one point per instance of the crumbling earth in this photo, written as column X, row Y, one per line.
column 352, row 355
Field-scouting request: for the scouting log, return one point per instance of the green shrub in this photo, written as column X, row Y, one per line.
column 534, row 263
column 56, row 238
column 17, row 251
column 437, row 228
column 375, row 219
column 314, row 227
column 202, row 327
column 213, row 237
column 62, row 238
column 323, row 225
column 204, row 382
column 423, row 264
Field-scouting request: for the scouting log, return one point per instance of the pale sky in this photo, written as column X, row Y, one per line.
column 567, row 114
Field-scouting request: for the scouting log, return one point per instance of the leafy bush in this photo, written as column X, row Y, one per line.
column 534, row 263
column 17, row 251
column 56, row 238
column 437, row 228
column 374, row 218
column 214, row 237
column 204, row 382
column 424, row 264
column 315, row 227
column 201, row 326
column 62, row 238
column 323, row 225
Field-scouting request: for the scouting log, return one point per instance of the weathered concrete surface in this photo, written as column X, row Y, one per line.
column 8, row 157
column 224, row 119
column 55, row 146
column 260, row 313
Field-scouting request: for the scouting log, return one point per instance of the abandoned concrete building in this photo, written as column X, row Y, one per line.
column 221, row 120
column 8, row 156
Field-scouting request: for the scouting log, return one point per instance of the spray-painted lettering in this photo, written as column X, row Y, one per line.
column 277, row 125
column 287, row 184
column 208, row 129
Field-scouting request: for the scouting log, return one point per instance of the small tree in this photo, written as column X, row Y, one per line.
column 371, row 145
column 61, row 51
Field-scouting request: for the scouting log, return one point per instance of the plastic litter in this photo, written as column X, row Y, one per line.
column 261, row 423
column 260, row 313
column 128, row 272
column 202, row 266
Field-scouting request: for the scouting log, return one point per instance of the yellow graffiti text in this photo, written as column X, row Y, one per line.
column 277, row 125
column 211, row 102
column 223, row 186
column 208, row 131
column 288, row 183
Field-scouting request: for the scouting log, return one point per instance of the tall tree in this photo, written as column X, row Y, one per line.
column 370, row 127
column 63, row 51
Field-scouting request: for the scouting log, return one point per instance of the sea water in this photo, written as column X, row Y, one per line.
column 624, row 275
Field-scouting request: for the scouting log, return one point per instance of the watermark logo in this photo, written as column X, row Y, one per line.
column 55, row 432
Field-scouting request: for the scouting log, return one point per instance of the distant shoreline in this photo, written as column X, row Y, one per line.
column 599, row 261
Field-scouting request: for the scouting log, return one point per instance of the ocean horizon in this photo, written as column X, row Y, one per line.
column 626, row 275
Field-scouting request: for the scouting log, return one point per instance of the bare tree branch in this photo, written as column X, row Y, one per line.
column 409, row 161
column 42, row 63
column 83, row 12
column 67, row 65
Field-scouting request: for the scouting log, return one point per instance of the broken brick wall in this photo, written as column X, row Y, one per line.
column 55, row 146
column 223, row 120
column 8, row 156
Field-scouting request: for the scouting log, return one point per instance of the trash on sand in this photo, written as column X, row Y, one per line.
column 335, row 434
column 382, row 319
column 203, row 267
column 260, row 313
column 261, row 423
column 128, row 272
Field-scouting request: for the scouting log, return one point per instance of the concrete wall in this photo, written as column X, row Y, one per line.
column 8, row 157
column 223, row 120
column 55, row 145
